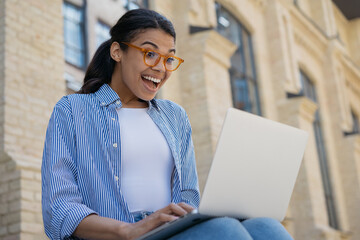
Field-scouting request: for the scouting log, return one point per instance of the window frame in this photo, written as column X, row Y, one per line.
column 308, row 90
column 244, row 73
column 127, row 4
column 83, row 51
column 99, row 22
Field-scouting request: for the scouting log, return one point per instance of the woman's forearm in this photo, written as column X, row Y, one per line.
column 96, row 227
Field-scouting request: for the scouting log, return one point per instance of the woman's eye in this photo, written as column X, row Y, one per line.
column 151, row 54
column 170, row 60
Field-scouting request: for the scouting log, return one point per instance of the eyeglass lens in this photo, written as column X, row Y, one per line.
column 153, row 58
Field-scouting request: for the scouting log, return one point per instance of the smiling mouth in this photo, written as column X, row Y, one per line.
column 155, row 81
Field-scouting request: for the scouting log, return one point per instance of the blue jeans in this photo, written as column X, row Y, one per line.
column 226, row 228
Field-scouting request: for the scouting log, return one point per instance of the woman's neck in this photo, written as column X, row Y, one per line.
column 127, row 100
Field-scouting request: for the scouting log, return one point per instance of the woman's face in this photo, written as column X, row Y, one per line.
column 135, row 80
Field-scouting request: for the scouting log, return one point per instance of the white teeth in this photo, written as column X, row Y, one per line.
column 152, row 79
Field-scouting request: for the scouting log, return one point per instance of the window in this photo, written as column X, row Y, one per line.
column 308, row 90
column 74, row 35
column 356, row 124
column 242, row 71
column 72, row 86
column 102, row 32
column 135, row 4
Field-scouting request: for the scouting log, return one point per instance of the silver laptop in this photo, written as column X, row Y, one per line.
column 253, row 172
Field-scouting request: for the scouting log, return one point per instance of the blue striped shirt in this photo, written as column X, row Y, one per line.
column 81, row 160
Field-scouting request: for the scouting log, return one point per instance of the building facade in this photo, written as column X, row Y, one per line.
column 293, row 61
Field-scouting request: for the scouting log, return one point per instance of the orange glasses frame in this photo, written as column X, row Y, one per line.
column 157, row 61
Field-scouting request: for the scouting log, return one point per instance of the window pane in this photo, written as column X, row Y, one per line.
column 240, row 94
column 102, row 33
column 242, row 70
column 308, row 90
column 238, row 62
column 135, row 4
column 248, row 55
column 228, row 26
column 74, row 34
column 356, row 123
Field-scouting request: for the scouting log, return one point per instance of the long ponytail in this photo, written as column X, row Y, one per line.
column 99, row 70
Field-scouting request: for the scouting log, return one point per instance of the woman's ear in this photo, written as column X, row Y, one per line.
column 115, row 51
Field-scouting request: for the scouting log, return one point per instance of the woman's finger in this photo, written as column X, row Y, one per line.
column 175, row 209
column 186, row 207
column 167, row 214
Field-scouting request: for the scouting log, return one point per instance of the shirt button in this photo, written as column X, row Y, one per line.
column 113, row 119
column 116, row 178
column 115, row 145
column 102, row 104
column 118, row 102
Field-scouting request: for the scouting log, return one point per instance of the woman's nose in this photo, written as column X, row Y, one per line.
column 160, row 66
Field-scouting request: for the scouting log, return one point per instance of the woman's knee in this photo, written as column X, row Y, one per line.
column 224, row 222
column 227, row 228
column 258, row 227
column 262, row 222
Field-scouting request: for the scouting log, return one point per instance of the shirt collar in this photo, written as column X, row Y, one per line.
column 106, row 96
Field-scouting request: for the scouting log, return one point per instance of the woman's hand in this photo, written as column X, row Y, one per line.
column 96, row 227
column 167, row 214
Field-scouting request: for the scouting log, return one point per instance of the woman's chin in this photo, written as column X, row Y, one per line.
column 146, row 98
column 142, row 100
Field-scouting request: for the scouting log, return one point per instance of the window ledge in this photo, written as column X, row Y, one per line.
column 300, row 105
column 213, row 45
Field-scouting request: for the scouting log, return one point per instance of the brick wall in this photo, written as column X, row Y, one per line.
column 31, row 83
column 2, row 72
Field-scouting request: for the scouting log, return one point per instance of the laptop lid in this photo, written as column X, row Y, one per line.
column 254, row 168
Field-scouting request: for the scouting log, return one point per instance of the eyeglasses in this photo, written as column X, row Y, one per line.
column 152, row 58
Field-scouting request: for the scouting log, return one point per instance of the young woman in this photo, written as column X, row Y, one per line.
column 118, row 163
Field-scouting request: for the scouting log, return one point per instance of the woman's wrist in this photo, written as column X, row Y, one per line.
column 123, row 231
column 96, row 227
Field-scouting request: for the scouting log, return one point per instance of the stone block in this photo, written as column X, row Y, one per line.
column 12, row 237
column 3, row 231
column 3, row 208
column 14, row 228
column 15, row 206
column 11, row 218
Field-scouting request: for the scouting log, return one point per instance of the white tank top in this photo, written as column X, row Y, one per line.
column 146, row 161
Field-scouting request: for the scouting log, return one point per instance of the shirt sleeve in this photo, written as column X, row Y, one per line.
column 61, row 200
column 189, row 179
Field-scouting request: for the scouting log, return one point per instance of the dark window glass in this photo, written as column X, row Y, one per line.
column 135, row 4
column 242, row 71
column 102, row 31
column 356, row 123
column 74, row 35
column 308, row 90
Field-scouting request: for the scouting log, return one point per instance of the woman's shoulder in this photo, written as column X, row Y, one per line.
column 80, row 97
column 74, row 98
column 63, row 104
column 68, row 102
